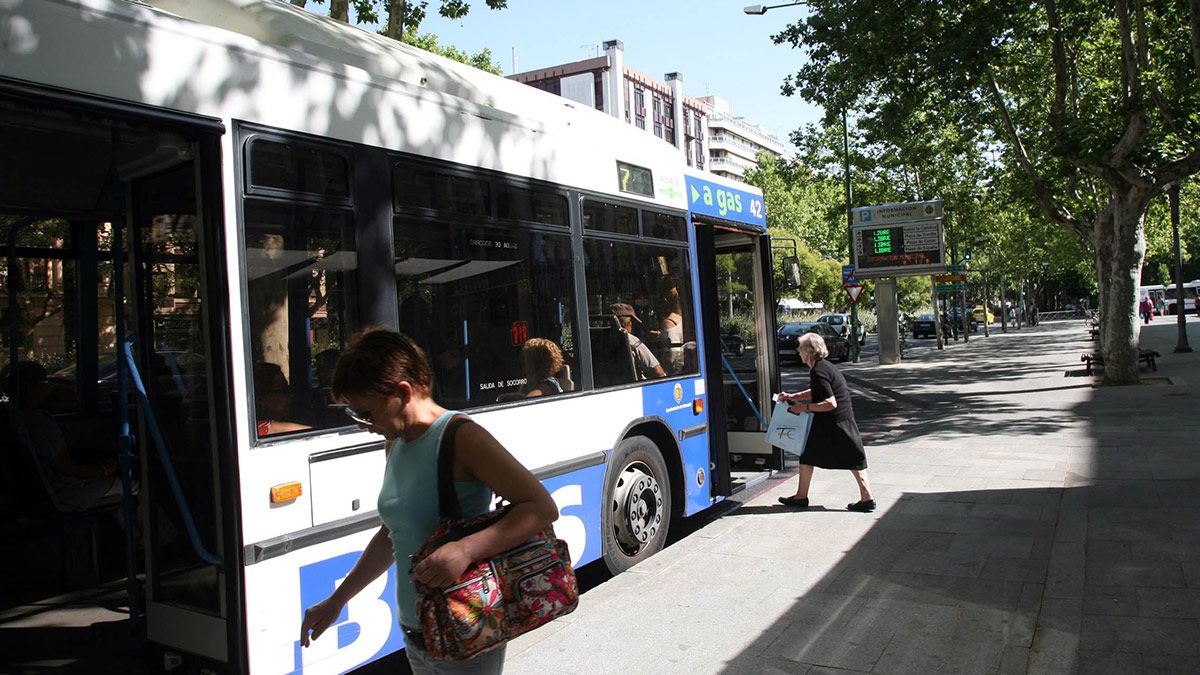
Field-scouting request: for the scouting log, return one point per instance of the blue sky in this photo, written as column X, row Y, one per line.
column 718, row 49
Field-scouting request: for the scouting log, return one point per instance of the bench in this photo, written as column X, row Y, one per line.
column 1091, row 359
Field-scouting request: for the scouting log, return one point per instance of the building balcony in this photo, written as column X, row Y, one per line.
column 756, row 134
column 736, row 146
column 729, row 165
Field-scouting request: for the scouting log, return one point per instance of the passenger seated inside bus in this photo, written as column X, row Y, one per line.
column 669, row 335
column 646, row 364
column 272, row 400
column 542, row 361
column 77, row 479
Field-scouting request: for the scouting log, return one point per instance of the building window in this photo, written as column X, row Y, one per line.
column 658, row 129
column 669, row 135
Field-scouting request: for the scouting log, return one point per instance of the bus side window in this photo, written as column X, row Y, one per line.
column 301, row 275
column 655, row 280
column 473, row 291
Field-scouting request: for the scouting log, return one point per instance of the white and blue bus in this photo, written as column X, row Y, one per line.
column 205, row 199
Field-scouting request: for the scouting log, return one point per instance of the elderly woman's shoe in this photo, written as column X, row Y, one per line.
column 798, row 502
column 865, row 506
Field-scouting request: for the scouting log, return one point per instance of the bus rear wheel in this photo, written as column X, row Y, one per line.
column 637, row 506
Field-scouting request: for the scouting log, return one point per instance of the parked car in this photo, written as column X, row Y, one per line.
column 924, row 326
column 733, row 344
column 789, row 334
column 977, row 314
column 841, row 324
column 184, row 372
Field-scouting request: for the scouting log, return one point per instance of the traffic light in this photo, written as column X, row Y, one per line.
column 967, row 254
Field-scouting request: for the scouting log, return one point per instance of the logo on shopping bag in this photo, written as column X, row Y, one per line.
column 785, row 433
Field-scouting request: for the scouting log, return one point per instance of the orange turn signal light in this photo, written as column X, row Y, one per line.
column 286, row 492
column 697, row 406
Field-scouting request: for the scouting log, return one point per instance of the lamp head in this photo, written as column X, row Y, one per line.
column 755, row 9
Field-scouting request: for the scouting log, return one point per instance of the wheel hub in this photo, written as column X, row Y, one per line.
column 637, row 506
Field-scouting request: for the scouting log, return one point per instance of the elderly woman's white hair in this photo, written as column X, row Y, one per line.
column 813, row 344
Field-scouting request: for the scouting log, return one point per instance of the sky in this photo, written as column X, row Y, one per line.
column 715, row 46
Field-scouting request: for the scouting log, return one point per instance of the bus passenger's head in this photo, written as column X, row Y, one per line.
column 542, row 359
column 625, row 314
column 378, row 374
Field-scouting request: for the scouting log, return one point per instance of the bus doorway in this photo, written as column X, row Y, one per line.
column 103, row 227
column 737, row 306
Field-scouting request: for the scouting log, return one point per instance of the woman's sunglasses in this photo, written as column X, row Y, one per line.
column 360, row 417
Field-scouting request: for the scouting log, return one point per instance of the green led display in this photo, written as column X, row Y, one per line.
column 883, row 241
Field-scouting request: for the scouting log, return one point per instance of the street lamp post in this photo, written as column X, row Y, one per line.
column 850, row 234
column 759, row 10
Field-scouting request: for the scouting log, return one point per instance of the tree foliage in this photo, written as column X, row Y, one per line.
column 402, row 21
column 1092, row 106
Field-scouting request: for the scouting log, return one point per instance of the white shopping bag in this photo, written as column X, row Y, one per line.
column 788, row 430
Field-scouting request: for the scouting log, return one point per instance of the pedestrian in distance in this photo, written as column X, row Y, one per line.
column 1146, row 308
column 386, row 380
column 833, row 439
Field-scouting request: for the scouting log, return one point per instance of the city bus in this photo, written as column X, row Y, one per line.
column 202, row 200
column 1171, row 295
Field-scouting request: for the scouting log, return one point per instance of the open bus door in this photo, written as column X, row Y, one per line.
column 113, row 218
column 737, row 311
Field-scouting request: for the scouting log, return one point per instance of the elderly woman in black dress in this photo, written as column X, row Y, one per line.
column 833, row 440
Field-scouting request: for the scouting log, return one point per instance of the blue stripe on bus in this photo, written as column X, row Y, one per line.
column 579, row 496
column 673, row 401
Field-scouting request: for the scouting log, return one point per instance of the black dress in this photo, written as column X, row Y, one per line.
column 833, row 440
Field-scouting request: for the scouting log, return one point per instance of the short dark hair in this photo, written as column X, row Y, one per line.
column 376, row 360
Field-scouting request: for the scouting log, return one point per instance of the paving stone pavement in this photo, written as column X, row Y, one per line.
column 1029, row 522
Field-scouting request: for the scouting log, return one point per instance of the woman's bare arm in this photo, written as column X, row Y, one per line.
column 479, row 456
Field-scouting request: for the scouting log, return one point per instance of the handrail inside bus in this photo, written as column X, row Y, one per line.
column 168, row 467
column 738, row 382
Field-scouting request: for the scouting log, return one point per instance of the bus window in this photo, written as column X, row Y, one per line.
column 664, row 226
column 300, row 272
column 656, row 282
column 536, row 206
column 422, row 188
column 609, row 217
column 472, row 295
column 298, row 168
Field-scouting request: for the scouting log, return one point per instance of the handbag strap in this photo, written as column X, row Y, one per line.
column 448, row 506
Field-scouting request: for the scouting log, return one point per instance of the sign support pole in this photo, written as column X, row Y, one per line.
column 937, row 314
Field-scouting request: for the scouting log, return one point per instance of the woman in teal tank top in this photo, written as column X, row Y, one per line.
column 386, row 381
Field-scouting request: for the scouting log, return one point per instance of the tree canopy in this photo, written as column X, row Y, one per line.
column 402, row 21
column 1092, row 108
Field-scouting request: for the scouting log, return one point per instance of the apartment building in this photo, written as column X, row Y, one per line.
column 734, row 143
column 703, row 129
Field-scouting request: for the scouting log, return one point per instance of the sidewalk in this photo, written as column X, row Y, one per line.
column 1029, row 522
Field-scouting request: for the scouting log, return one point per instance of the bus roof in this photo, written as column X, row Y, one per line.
column 274, row 64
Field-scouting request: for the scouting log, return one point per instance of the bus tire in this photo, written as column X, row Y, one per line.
column 636, row 515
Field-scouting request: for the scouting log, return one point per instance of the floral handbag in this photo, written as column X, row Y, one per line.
column 495, row 599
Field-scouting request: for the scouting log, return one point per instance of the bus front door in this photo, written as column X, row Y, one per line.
column 105, row 235
column 737, row 310
column 192, row 591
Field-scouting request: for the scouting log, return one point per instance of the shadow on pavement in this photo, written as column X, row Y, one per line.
column 1093, row 568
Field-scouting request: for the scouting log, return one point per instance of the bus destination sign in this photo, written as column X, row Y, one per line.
column 899, row 249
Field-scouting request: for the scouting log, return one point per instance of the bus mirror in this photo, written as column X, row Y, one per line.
column 791, row 272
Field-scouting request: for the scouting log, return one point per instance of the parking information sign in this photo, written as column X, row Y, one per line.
column 898, row 239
